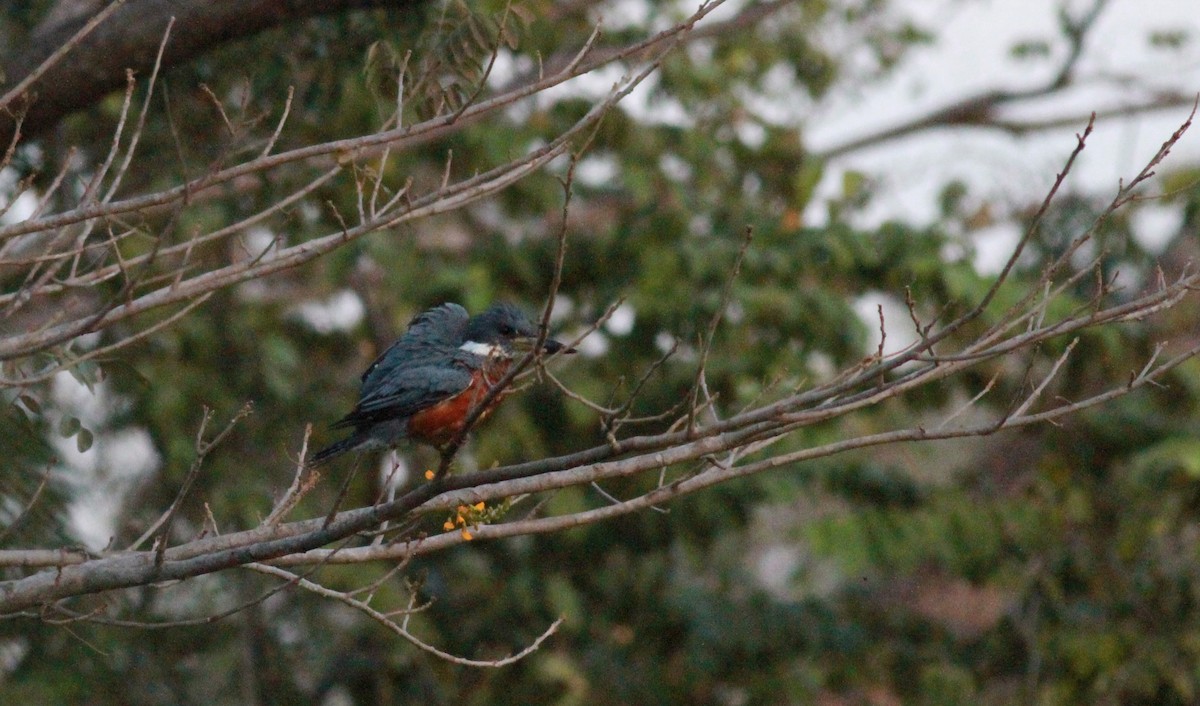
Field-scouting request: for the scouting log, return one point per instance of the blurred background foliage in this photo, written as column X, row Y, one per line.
column 1053, row 565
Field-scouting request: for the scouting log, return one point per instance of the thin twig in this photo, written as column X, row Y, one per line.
column 23, row 86
column 37, row 494
column 706, row 342
column 202, row 449
column 292, row 495
column 287, row 109
column 390, row 624
column 141, row 123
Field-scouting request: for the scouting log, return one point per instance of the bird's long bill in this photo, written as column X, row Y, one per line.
column 549, row 347
column 552, row 346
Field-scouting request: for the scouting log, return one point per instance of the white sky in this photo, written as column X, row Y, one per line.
column 970, row 55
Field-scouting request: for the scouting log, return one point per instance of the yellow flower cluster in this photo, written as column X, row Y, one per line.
column 464, row 516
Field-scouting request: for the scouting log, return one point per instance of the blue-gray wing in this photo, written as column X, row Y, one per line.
column 430, row 334
column 406, row 391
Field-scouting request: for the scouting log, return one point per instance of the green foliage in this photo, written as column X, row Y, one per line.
column 1031, row 49
column 1050, row 566
column 444, row 66
column 1170, row 39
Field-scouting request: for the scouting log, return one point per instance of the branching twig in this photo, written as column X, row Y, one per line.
column 162, row 526
column 714, row 322
column 66, row 48
column 295, row 491
column 397, row 628
column 37, row 494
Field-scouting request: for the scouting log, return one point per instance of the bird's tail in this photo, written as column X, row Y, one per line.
column 335, row 449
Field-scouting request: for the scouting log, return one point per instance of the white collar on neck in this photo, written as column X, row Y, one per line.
column 487, row 350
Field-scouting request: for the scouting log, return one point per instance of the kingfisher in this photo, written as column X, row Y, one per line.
column 425, row 384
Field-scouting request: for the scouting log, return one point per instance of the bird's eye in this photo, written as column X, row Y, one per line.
column 506, row 330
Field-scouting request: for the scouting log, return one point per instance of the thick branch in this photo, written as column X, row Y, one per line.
column 129, row 40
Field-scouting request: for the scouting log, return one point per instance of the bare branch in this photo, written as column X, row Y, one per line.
column 202, row 449
column 399, row 137
column 295, row 491
column 390, row 624
column 714, row 322
column 65, row 48
column 37, row 494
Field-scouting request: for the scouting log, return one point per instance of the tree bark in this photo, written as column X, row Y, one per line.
column 129, row 39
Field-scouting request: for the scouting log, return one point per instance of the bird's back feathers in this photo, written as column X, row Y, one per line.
column 404, row 391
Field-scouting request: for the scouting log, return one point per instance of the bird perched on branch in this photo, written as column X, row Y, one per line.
column 424, row 386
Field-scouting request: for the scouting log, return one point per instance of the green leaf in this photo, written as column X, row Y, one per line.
column 951, row 198
column 1169, row 38
column 31, row 404
column 69, row 426
column 853, row 183
column 806, row 181
column 1181, row 453
column 87, row 373
column 83, row 440
column 381, row 70
column 1030, row 49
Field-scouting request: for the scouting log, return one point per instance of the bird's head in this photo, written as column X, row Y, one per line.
column 506, row 331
